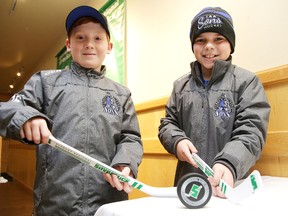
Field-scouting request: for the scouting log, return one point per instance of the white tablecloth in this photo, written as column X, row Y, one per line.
column 269, row 200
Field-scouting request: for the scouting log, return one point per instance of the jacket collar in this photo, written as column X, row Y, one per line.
column 219, row 70
column 90, row 72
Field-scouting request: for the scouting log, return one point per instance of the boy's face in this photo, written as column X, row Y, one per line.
column 210, row 46
column 89, row 44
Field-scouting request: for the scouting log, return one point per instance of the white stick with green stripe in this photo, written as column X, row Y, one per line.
column 236, row 195
column 152, row 191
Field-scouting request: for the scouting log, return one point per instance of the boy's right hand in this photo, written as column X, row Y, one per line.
column 36, row 130
column 184, row 151
column 116, row 183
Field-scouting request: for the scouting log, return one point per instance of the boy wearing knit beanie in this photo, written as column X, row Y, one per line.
column 218, row 110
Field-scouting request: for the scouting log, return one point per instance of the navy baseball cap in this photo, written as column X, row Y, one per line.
column 85, row 11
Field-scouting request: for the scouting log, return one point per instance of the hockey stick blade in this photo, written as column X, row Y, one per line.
column 236, row 195
column 86, row 159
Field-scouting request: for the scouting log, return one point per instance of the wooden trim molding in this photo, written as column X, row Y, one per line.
column 151, row 105
column 274, row 75
column 267, row 77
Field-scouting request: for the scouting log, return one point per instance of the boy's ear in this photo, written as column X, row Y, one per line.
column 67, row 43
column 110, row 47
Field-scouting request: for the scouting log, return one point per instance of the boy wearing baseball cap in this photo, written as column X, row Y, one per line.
column 83, row 108
column 218, row 110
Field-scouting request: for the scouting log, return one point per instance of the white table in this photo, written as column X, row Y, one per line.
column 268, row 200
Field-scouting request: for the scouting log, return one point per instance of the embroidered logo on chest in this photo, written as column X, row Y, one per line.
column 16, row 98
column 111, row 105
column 223, row 107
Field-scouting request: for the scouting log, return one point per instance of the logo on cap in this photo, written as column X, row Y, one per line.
column 209, row 21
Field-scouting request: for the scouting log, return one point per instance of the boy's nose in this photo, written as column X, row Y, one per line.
column 89, row 44
column 209, row 45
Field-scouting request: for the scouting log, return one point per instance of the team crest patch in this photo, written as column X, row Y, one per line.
column 223, row 107
column 111, row 105
column 16, row 98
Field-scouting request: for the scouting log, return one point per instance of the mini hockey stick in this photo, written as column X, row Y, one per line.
column 86, row 159
column 252, row 183
column 231, row 193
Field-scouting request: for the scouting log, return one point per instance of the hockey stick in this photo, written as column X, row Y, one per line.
column 236, row 195
column 86, row 159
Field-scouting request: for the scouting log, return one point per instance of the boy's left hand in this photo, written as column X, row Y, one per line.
column 114, row 181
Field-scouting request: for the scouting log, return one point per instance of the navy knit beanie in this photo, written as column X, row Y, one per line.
column 213, row 19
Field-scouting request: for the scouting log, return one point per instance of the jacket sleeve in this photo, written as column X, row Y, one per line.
column 23, row 106
column 129, row 149
column 250, row 129
column 169, row 131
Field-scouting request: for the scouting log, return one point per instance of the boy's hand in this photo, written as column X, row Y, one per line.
column 184, row 151
column 114, row 181
column 36, row 130
column 220, row 172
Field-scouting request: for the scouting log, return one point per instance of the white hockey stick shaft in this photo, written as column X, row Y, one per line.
column 236, row 195
column 86, row 159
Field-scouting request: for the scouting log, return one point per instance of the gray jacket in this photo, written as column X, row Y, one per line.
column 226, row 120
column 92, row 114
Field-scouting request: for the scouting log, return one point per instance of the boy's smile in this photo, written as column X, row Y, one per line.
column 89, row 45
column 208, row 47
column 209, row 56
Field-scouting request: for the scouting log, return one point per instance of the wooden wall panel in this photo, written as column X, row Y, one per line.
column 4, row 156
column 276, row 143
column 278, row 98
column 22, row 163
column 157, row 171
column 274, row 158
column 149, row 123
column 0, row 155
column 5, row 97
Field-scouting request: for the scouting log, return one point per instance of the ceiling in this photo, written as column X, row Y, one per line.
column 28, row 28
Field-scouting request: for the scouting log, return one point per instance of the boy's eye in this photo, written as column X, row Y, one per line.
column 79, row 37
column 220, row 39
column 199, row 40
